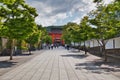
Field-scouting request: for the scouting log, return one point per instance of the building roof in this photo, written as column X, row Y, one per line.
column 54, row 29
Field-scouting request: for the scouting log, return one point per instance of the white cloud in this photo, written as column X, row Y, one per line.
column 61, row 16
column 107, row 1
column 52, row 12
column 45, row 21
column 77, row 20
column 51, row 20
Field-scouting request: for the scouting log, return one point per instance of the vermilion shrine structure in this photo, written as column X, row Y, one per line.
column 55, row 32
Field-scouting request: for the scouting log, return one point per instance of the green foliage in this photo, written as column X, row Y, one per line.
column 86, row 30
column 47, row 39
column 103, row 19
column 73, row 32
column 18, row 19
column 7, row 1
column 19, row 28
column 34, row 38
column 68, row 31
column 24, row 48
column 113, row 10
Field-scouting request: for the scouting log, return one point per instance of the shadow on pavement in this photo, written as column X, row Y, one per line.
column 75, row 51
column 79, row 56
column 98, row 66
column 7, row 64
column 24, row 54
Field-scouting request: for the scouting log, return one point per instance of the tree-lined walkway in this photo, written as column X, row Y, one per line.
column 60, row 64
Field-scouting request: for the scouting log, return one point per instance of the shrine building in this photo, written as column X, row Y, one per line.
column 55, row 32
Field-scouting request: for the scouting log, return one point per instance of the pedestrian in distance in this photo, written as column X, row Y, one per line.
column 68, row 47
column 48, row 46
column 51, row 46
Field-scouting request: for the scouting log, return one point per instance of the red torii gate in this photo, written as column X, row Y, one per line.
column 56, row 38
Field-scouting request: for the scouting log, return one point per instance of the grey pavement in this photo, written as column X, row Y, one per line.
column 60, row 64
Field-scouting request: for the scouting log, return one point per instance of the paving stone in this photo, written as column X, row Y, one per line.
column 59, row 64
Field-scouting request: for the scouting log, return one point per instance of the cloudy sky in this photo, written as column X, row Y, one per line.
column 60, row 12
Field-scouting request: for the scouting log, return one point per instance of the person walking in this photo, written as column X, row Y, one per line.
column 68, row 47
column 51, row 46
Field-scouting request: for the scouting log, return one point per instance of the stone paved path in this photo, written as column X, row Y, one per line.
column 60, row 64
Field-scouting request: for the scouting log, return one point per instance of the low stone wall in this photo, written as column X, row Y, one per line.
column 113, row 52
column 95, row 51
column 5, row 52
column 113, row 55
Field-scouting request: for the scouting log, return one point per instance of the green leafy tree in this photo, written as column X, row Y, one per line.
column 42, row 30
column 18, row 20
column 33, row 39
column 113, row 11
column 47, row 39
column 66, row 35
column 69, row 31
column 86, row 31
column 103, row 20
column 73, row 30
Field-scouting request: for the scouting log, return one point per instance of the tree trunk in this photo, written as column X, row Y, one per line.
column 85, row 48
column 101, row 47
column 104, row 51
column 29, row 49
column 19, row 46
column 79, row 46
column 11, row 48
column 105, row 54
column 101, row 51
column 74, row 44
column 39, row 45
column 1, row 47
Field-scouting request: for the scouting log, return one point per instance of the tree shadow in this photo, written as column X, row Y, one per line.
column 25, row 54
column 98, row 66
column 7, row 64
column 75, row 51
column 79, row 56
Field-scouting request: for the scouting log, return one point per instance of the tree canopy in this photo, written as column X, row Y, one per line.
column 18, row 19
